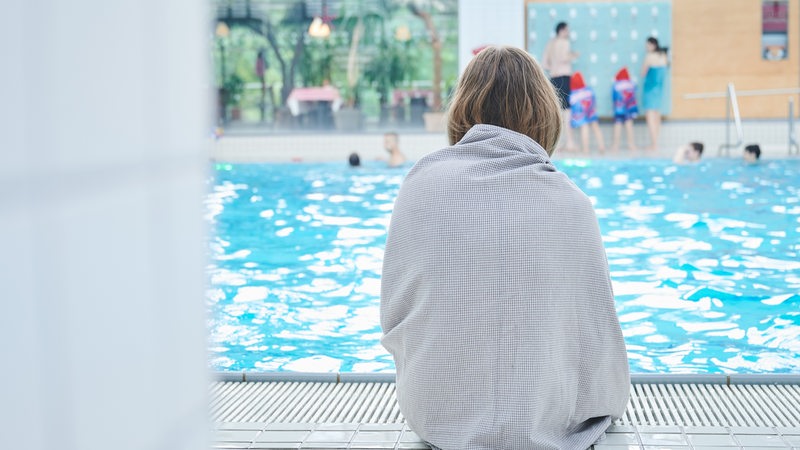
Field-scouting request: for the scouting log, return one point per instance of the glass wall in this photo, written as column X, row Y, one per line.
column 333, row 64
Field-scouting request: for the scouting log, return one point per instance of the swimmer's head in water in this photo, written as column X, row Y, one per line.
column 354, row 160
column 695, row 151
column 506, row 87
column 752, row 153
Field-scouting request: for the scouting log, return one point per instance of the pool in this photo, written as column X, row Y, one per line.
column 704, row 261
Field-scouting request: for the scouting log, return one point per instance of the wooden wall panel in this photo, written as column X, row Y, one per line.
column 719, row 41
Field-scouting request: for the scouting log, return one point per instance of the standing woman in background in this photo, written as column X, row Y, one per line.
column 654, row 70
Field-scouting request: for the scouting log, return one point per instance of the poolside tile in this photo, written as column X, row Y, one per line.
column 760, row 440
column 230, row 445
column 759, row 447
column 376, row 436
column 322, row 445
column 792, row 440
column 663, row 439
column 381, row 427
column 413, row 445
column 718, row 440
column 621, row 429
column 616, row 447
column 330, row 436
column 752, row 430
column 275, row 445
column 283, row 436
column 715, row 447
column 793, row 431
column 372, row 445
column 234, row 435
column 668, row 447
column 670, row 429
column 619, row 439
column 337, row 426
column 257, row 426
column 410, row 436
column 289, row 426
column 706, row 430
column 765, row 448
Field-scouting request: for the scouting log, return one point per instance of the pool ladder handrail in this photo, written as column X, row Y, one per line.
column 731, row 105
column 792, row 132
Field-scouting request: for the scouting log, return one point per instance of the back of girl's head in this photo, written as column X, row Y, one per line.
column 697, row 146
column 506, row 87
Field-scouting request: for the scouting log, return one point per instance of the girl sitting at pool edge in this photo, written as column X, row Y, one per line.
column 496, row 300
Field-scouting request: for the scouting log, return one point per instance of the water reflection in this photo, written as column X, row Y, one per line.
column 704, row 262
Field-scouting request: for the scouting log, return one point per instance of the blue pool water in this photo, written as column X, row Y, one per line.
column 704, row 261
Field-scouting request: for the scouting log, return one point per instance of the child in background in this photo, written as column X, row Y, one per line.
column 584, row 112
column 752, row 153
column 623, row 94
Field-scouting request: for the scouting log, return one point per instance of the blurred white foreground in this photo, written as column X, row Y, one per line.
column 103, row 119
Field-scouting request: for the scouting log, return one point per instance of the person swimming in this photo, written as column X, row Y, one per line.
column 752, row 153
column 689, row 153
column 391, row 145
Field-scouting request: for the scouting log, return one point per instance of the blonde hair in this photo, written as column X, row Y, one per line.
column 505, row 86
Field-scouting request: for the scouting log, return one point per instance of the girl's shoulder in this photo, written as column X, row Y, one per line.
column 656, row 59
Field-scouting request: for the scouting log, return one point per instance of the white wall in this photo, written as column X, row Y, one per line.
column 103, row 124
column 486, row 22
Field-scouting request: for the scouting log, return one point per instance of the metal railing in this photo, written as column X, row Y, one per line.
column 732, row 108
column 732, row 105
column 792, row 133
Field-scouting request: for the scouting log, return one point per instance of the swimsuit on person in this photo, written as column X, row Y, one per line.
column 624, row 95
column 562, row 89
column 653, row 88
column 583, row 109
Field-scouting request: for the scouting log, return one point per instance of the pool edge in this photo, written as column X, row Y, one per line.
column 389, row 377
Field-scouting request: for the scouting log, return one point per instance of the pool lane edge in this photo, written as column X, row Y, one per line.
column 389, row 377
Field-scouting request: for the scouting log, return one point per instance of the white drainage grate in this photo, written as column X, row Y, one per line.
column 316, row 402
column 713, row 405
column 750, row 405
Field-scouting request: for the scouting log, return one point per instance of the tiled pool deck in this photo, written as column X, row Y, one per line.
column 317, row 146
column 721, row 413
column 399, row 436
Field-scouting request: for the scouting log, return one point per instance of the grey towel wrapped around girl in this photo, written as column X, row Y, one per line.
column 496, row 301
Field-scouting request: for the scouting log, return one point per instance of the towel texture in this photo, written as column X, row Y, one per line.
column 496, row 301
